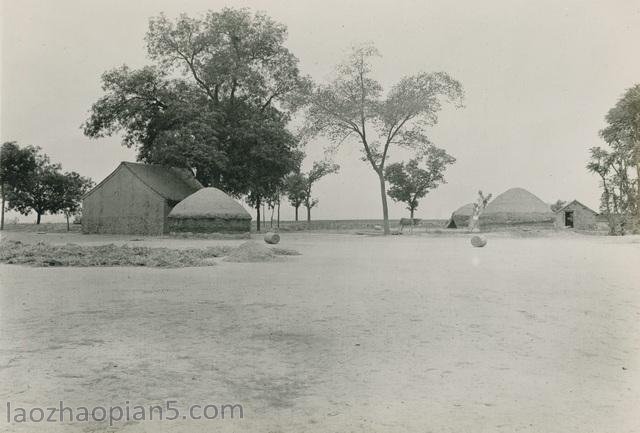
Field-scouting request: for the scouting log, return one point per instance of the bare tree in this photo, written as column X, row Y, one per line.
column 352, row 105
column 478, row 208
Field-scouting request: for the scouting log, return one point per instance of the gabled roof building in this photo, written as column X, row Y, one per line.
column 136, row 199
column 575, row 215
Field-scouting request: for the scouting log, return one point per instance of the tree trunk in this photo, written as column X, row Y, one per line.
column 412, row 210
column 297, row 207
column 308, row 215
column 38, row 217
column 258, row 215
column 271, row 218
column 278, row 214
column 68, row 227
column 385, row 208
column 2, row 220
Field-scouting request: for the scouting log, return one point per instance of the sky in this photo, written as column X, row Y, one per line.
column 539, row 77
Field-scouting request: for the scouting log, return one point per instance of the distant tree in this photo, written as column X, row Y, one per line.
column 353, row 105
column 295, row 187
column 42, row 192
column 412, row 181
column 17, row 166
column 74, row 187
column 319, row 170
column 558, row 205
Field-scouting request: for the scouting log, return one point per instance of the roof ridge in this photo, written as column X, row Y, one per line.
column 576, row 201
column 126, row 164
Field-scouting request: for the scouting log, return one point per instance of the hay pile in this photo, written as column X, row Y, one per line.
column 254, row 252
column 516, row 206
column 209, row 203
column 460, row 217
column 42, row 254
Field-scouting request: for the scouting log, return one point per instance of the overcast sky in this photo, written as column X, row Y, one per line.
column 539, row 77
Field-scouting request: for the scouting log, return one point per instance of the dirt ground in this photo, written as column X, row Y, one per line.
column 358, row 334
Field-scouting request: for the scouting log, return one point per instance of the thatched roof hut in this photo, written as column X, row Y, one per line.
column 516, row 206
column 460, row 217
column 209, row 210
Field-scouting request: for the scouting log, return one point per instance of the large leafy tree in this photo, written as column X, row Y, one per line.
column 223, row 112
column 353, row 106
column 231, row 55
column 412, row 181
column 17, row 166
column 622, row 134
column 618, row 200
column 42, row 192
column 167, row 121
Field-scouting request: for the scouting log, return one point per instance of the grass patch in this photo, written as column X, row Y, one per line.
column 42, row 254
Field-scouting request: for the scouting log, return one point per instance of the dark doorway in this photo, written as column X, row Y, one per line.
column 568, row 219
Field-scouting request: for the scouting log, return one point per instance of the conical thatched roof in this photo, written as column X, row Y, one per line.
column 209, row 203
column 517, row 200
column 460, row 217
column 516, row 206
column 466, row 210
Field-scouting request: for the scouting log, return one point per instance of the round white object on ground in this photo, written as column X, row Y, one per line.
column 271, row 238
column 478, row 241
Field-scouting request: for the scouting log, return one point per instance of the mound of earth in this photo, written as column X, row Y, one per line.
column 43, row 254
column 254, row 252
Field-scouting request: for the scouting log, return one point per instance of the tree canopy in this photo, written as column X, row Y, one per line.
column 412, row 181
column 618, row 164
column 17, row 165
column 216, row 101
column 30, row 182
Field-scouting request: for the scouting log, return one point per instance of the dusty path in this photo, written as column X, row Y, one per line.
column 362, row 334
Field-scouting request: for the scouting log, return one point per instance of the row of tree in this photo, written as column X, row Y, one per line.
column 29, row 182
column 222, row 89
column 618, row 164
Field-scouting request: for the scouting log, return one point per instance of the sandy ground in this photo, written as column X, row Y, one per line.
column 359, row 334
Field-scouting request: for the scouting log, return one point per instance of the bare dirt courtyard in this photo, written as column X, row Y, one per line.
column 357, row 334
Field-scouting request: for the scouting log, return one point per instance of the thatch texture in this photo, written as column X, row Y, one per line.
column 460, row 217
column 516, row 206
column 209, row 203
column 209, row 210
